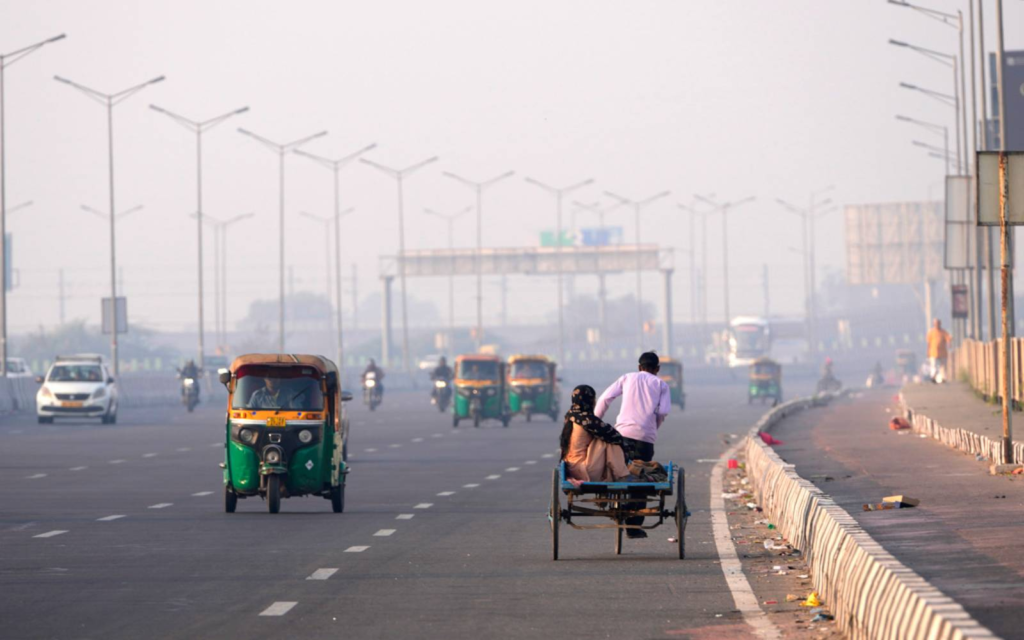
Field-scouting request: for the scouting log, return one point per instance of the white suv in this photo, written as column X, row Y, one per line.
column 77, row 386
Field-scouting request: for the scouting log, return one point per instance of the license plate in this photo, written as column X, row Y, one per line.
column 71, row 404
column 276, row 421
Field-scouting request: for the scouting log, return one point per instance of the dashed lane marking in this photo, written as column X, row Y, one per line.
column 471, row 485
column 444, row 494
column 116, row 461
column 493, row 477
column 109, row 518
column 530, row 462
column 161, row 505
column 78, row 468
column 322, row 574
column 405, row 516
column 548, row 455
column 184, row 449
column 200, row 494
column 512, row 469
column 278, row 609
column 357, row 549
column 35, row 476
column 370, row 450
column 424, row 505
column 383, row 533
column 150, row 455
column 437, row 435
column 394, row 446
column 50, row 534
column 216, row 444
column 417, row 440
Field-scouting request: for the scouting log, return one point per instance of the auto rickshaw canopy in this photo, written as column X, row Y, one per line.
column 765, row 369
column 320, row 363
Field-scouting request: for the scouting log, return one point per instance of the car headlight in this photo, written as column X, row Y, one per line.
column 272, row 456
column 371, row 384
column 45, row 392
column 247, row 436
column 99, row 393
column 440, row 384
column 305, row 436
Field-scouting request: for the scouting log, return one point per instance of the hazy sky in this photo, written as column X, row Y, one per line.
column 735, row 97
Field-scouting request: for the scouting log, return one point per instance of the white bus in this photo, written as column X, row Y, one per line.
column 750, row 338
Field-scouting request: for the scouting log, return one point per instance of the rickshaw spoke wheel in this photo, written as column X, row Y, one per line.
column 681, row 513
column 555, row 514
column 274, row 493
column 618, row 538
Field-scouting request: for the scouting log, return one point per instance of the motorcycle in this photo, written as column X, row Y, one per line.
column 372, row 391
column 441, row 395
column 829, row 383
column 189, row 393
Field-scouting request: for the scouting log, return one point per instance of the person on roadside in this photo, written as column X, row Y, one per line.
column 938, row 351
column 646, row 402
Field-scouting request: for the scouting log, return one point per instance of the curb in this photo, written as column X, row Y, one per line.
column 959, row 439
column 870, row 592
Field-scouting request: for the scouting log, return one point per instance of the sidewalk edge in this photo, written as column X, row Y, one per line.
column 871, row 593
column 959, row 439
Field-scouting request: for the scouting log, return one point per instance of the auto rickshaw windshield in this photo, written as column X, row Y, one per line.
column 291, row 389
column 528, row 369
column 477, row 370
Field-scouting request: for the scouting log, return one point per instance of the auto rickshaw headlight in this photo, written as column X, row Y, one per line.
column 247, row 436
column 305, row 436
column 272, row 456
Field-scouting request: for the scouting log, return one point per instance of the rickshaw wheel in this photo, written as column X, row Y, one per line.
column 338, row 498
column 476, row 420
column 555, row 515
column 618, row 540
column 230, row 500
column 681, row 513
column 455, row 422
column 274, row 493
column 529, row 417
column 505, row 421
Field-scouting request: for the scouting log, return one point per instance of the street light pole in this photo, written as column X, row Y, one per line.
column 559, row 194
column 638, row 205
column 281, row 150
column 110, row 100
column 478, row 188
column 220, row 244
column 694, row 280
column 450, row 219
column 724, row 209
column 199, row 127
column 399, row 176
column 327, row 222
column 336, row 165
column 934, row 128
column 7, row 59
column 602, row 289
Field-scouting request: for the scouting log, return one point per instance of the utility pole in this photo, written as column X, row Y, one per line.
column 111, row 100
column 7, row 59
column 478, row 188
column 449, row 219
column 764, row 283
column 724, row 209
column 602, row 288
column 355, row 298
column 327, row 222
column 60, row 293
column 281, row 149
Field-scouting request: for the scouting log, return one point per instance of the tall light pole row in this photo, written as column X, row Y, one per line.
column 450, row 219
column 724, row 208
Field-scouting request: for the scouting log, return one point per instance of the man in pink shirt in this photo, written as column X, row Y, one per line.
column 646, row 401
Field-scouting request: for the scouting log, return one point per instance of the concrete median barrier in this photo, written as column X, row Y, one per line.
column 959, row 439
column 870, row 592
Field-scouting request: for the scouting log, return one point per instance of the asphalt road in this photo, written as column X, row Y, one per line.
column 119, row 531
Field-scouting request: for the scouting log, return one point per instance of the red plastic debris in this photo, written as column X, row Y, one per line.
column 898, row 423
column 732, row 464
column 769, row 440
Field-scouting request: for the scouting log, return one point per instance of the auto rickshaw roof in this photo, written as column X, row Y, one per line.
column 761, row 362
column 478, row 357
column 320, row 363
column 523, row 357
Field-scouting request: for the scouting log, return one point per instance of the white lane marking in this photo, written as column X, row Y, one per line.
column 200, row 494
column 446, row 493
column 548, row 455
column 116, row 461
column 424, row 505
column 512, row 469
column 417, row 440
column 493, row 477
column 161, row 505
column 78, row 468
column 370, row 450
column 109, row 518
column 184, row 449
column 383, row 533
column 404, row 516
column 471, row 485
column 530, row 462
column 217, row 444
column 322, row 574
column 50, row 534
column 708, row 459
column 742, row 594
column 357, row 549
column 150, row 455
column 395, row 446
column 34, row 476
column 278, row 609
column 437, row 435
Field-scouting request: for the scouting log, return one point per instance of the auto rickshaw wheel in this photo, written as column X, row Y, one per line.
column 505, row 421
column 230, row 500
column 338, row 498
column 274, row 493
column 476, row 420
column 529, row 417
column 455, row 422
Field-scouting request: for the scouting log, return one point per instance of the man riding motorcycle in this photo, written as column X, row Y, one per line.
column 189, row 375
column 828, row 381
column 373, row 384
column 441, row 376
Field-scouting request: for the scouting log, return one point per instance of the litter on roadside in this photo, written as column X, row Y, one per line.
column 822, row 617
column 902, row 501
column 898, row 423
column 792, row 598
column 769, row 440
column 731, row 496
column 812, row 600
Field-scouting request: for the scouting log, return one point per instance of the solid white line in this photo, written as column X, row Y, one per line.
column 492, row 477
column 383, row 533
column 150, row 455
column 548, row 455
column 370, row 450
column 200, row 494
column 356, row 549
column 322, row 574
column 446, row 493
column 417, row 440
column 512, row 469
column 424, row 505
column 471, row 485
column 116, row 461
column 37, row 475
column 50, row 534
column 404, row 516
column 78, row 468
column 530, row 462
column 742, row 594
column 278, row 609
column 161, row 505
column 108, row 518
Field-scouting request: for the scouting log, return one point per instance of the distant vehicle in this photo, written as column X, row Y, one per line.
column 790, row 350
column 216, row 363
column 18, row 368
column 373, row 394
column 77, row 386
column 429, row 363
column 749, row 339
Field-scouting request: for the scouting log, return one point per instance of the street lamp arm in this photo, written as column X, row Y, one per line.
column 121, row 96
column 394, row 173
column 708, row 201
column 620, row 199
column 313, row 216
column 538, row 183
column 19, row 206
column 791, row 207
column 191, row 125
column 128, row 212
column 578, row 185
column 419, row 165
column 346, row 212
column 469, row 183
column 213, row 122
column 487, row 183
column 663, row 194
column 269, row 143
column 935, row 14
column 98, row 96
column 238, row 218
column 24, row 51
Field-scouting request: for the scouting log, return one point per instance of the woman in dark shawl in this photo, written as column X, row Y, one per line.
column 591, row 448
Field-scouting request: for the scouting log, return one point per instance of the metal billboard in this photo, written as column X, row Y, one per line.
column 894, row 243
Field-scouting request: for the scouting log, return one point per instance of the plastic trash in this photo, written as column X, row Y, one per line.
column 822, row 617
column 792, row 598
column 769, row 440
column 733, row 464
column 812, row 600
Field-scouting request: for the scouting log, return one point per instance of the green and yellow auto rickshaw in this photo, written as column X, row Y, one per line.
column 765, row 381
column 286, row 433
column 479, row 390
column 672, row 373
column 532, row 387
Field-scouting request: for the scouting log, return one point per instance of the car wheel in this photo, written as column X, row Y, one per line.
column 45, row 420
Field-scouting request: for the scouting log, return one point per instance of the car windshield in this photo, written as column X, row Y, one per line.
column 292, row 389
column 14, row 366
column 528, row 369
column 478, row 370
column 76, row 373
